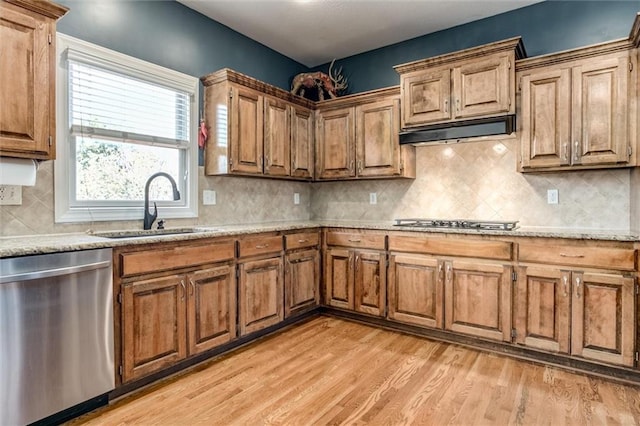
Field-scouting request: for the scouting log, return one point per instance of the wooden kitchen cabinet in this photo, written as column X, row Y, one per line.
column 472, row 83
column 302, row 273
column 256, row 129
column 260, row 282
column 355, row 272
column 568, row 309
column 460, row 285
column 176, row 301
column 576, row 113
column 357, row 138
column 27, row 78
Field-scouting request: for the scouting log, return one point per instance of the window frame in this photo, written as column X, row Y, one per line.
column 64, row 182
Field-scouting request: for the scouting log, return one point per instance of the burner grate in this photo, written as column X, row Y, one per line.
column 457, row 224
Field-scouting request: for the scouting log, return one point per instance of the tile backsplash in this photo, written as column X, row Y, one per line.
column 468, row 181
column 478, row 180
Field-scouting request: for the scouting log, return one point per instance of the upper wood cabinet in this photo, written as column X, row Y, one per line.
column 357, row 137
column 27, row 78
column 256, row 129
column 577, row 109
column 472, row 83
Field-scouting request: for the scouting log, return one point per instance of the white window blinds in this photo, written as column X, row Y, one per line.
column 116, row 105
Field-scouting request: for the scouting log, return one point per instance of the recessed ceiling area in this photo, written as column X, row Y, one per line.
column 314, row 32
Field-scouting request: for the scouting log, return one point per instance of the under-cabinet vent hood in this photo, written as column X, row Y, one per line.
column 459, row 131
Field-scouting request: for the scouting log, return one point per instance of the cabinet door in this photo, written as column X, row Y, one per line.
column 302, row 147
column 261, row 294
column 302, row 281
column 211, row 308
column 600, row 111
column 246, row 138
column 27, row 100
column 478, row 299
column 603, row 318
column 377, row 144
column 416, row 290
column 426, row 97
column 277, row 137
column 543, row 308
column 483, row 87
column 335, row 147
column 154, row 325
column 338, row 278
column 370, row 283
column 545, row 135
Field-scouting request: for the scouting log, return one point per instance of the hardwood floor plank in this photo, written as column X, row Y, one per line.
column 331, row 371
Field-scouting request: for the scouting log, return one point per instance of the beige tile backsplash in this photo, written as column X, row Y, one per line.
column 475, row 180
column 478, row 180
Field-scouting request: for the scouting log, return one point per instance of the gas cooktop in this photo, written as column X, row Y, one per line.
column 457, row 224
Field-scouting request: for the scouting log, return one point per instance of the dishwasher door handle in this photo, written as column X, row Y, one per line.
column 54, row 272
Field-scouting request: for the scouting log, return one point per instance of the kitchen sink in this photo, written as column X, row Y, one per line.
column 140, row 233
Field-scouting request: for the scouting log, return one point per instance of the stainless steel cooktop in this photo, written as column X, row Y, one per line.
column 457, row 224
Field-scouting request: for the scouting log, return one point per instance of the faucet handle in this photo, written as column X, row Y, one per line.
column 161, row 224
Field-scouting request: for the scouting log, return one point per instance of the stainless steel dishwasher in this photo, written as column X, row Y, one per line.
column 56, row 333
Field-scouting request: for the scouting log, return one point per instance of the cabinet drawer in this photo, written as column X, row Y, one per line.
column 260, row 245
column 590, row 257
column 352, row 239
column 301, row 239
column 468, row 248
column 175, row 257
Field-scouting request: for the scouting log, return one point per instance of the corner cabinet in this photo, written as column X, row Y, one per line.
column 357, row 138
column 577, row 109
column 256, row 129
column 472, row 83
column 27, row 78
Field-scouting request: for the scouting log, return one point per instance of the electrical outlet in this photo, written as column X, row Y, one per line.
column 552, row 196
column 373, row 198
column 296, row 198
column 208, row 197
column 10, row 195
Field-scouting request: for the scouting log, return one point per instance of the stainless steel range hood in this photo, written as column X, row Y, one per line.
column 460, row 131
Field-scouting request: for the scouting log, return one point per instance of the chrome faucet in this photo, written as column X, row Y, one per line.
column 148, row 217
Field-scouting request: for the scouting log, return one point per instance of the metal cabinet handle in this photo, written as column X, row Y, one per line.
column 359, row 166
column 355, row 240
column 357, row 262
column 303, row 241
column 458, row 104
column 446, row 105
column 576, row 151
column 350, row 262
column 351, row 165
column 261, row 246
column 573, row 256
column 565, row 155
column 184, row 289
column 193, row 287
column 565, row 282
column 578, row 287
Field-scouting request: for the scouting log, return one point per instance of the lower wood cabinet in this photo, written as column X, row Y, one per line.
column 589, row 315
column 302, row 281
column 166, row 319
column 261, row 294
column 356, row 280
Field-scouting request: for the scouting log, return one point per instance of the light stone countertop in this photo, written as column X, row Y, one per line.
column 51, row 243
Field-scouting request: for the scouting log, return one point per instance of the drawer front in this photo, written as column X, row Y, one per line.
column 501, row 250
column 590, row 257
column 173, row 258
column 352, row 239
column 301, row 240
column 260, row 245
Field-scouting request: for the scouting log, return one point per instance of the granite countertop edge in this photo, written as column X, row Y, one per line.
column 52, row 243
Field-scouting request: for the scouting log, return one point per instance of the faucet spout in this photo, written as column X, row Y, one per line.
column 149, row 218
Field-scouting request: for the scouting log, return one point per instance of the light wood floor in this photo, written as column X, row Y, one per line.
column 331, row 371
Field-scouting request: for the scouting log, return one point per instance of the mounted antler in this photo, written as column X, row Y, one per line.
column 339, row 81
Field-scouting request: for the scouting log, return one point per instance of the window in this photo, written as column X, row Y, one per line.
column 120, row 120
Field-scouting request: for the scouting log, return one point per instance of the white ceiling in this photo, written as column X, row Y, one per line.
column 315, row 31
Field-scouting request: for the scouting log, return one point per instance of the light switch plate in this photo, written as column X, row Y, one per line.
column 208, row 197
column 373, row 198
column 552, row 196
column 10, row 195
column 296, row 198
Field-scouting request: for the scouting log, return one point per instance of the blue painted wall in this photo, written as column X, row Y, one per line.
column 546, row 27
column 172, row 35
